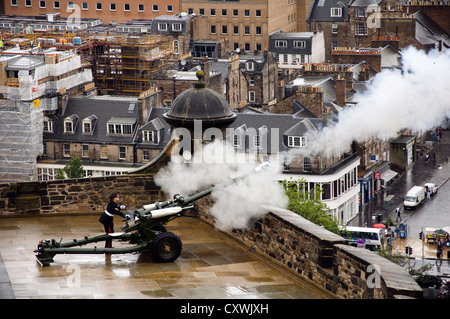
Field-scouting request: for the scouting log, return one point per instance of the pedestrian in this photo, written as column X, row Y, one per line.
column 107, row 217
column 399, row 216
column 426, row 158
column 428, row 193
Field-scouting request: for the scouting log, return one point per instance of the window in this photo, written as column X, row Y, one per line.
column 98, row 6
column 169, row 8
column 246, row 30
column 141, row 8
column 176, row 27
column 162, row 26
column 250, row 66
column 190, row 10
column 66, row 150
column 69, row 5
column 361, row 12
column 336, row 12
column 56, row 5
column 112, row 7
column 126, row 7
column 299, row 44
column 251, row 96
column 246, row 13
column 251, row 80
column 256, row 141
column 296, row 141
column 235, row 30
column 155, row 8
column 122, row 152
column 28, row 3
column 48, row 125
column 360, row 29
column 84, row 6
column 201, row 11
column 258, row 13
column 212, row 29
column 246, row 46
column 14, row 3
column 145, row 155
column 150, row 136
column 212, row 12
column 281, row 44
column 236, row 140
column 306, row 164
column 224, row 12
column 235, row 12
column 224, row 29
column 121, row 126
column 103, row 152
column 69, row 123
column 334, row 28
column 85, row 150
column 258, row 30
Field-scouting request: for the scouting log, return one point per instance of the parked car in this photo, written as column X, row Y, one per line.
column 432, row 187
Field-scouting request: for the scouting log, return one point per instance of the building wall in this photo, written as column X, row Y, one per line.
column 275, row 15
column 105, row 14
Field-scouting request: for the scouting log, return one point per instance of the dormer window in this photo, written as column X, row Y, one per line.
column 250, row 66
column 88, row 124
column 48, row 125
column 336, row 12
column 150, row 136
column 297, row 141
column 70, row 123
column 151, row 132
column 121, row 126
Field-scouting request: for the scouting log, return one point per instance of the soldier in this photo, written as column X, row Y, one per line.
column 107, row 217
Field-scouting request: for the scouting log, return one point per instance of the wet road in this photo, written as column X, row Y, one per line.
column 210, row 266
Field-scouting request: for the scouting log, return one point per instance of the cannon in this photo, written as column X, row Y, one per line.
column 145, row 230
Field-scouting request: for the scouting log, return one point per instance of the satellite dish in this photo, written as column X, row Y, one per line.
column 183, row 62
column 238, row 50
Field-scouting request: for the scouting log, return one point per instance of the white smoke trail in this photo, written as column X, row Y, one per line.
column 416, row 98
column 235, row 205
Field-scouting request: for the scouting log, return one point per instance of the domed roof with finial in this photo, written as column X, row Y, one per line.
column 199, row 103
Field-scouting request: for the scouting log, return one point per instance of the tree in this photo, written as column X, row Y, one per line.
column 60, row 174
column 309, row 205
column 74, row 169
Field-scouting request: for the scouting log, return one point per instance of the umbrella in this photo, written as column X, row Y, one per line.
column 440, row 232
column 378, row 225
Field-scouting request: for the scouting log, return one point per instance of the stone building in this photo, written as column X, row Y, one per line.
column 247, row 24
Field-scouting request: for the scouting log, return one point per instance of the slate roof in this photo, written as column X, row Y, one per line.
column 104, row 109
column 320, row 10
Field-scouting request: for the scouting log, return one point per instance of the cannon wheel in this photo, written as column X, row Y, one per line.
column 166, row 247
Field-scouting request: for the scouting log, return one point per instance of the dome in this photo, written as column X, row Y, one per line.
column 199, row 103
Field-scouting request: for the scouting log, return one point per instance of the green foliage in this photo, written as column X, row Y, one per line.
column 60, row 174
column 309, row 205
column 74, row 169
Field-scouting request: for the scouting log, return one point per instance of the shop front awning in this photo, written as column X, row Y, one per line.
column 388, row 175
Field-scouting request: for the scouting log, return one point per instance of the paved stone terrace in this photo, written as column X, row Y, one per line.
column 210, row 266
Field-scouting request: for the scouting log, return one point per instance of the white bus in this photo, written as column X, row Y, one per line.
column 365, row 237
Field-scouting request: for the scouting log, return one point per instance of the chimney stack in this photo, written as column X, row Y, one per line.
column 340, row 92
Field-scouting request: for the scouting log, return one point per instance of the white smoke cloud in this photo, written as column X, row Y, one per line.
column 235, row 205
column 416, row 97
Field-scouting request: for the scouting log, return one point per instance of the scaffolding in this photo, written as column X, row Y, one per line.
column 127, row 65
